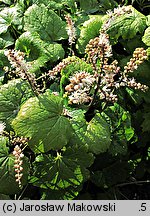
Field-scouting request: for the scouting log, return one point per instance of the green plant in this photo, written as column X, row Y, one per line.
column 70, row 99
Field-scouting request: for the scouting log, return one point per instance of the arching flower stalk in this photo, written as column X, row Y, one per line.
column 18, row 154
column 70, row 30
column 17, row 61
column 18, row 163
column 57, row 69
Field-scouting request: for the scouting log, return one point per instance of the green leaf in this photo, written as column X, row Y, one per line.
column 6, row 40
column 106, row 5
column 142, row 74
column 79, row 124
column 98, row 179
column 12, row 95
column 7, row 172
column 119, row 143
column 127, row 25
column 45, row 22
column 95, row 134
column 129, row 131
column 46, row 3
column 121, row 129
column 76, row 65
column 115, row 173
column 135, row 97
column 89, row 30
column 148, row 20
column 3, row 59
column 8, row 16
column 42, row 120
column 89, row 6
column 131, row 44
column 67, row 194
column 146, row 37
column 30, row 44
column 3, row 147
column 38, row 52
column 112, row 174
column 57, row 4
column 98, row 135
column 66, row 170
column 53, row 51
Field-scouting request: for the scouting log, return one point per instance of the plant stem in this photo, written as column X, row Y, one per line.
column 91, row 105
column 22, row 192
column 130, row 183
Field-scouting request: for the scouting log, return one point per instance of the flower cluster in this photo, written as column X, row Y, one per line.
column 2, row 127
column 133, row 84
column 70, row 29
column 107, row 81
column 113, row 78
column 79, row 87
column 120, row 10
column 112, row 15
column 18, row 153
column 17, row 61
column 18, row 163
column 57, row 69
column 107, row 78
column 139, row 56
column 19, row 140
column 99, row 48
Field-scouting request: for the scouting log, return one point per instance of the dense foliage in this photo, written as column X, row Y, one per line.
column 74, row 99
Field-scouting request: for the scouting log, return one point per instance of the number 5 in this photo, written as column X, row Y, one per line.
column 143, row 207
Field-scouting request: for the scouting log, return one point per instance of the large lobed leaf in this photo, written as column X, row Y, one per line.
column 6, row 40
column 12, row 95
column 95, row 134
column 68, row 169
column 42, row 120
column 45, row 22
column 121, row 129
column 8, row 17
column 38, row 51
